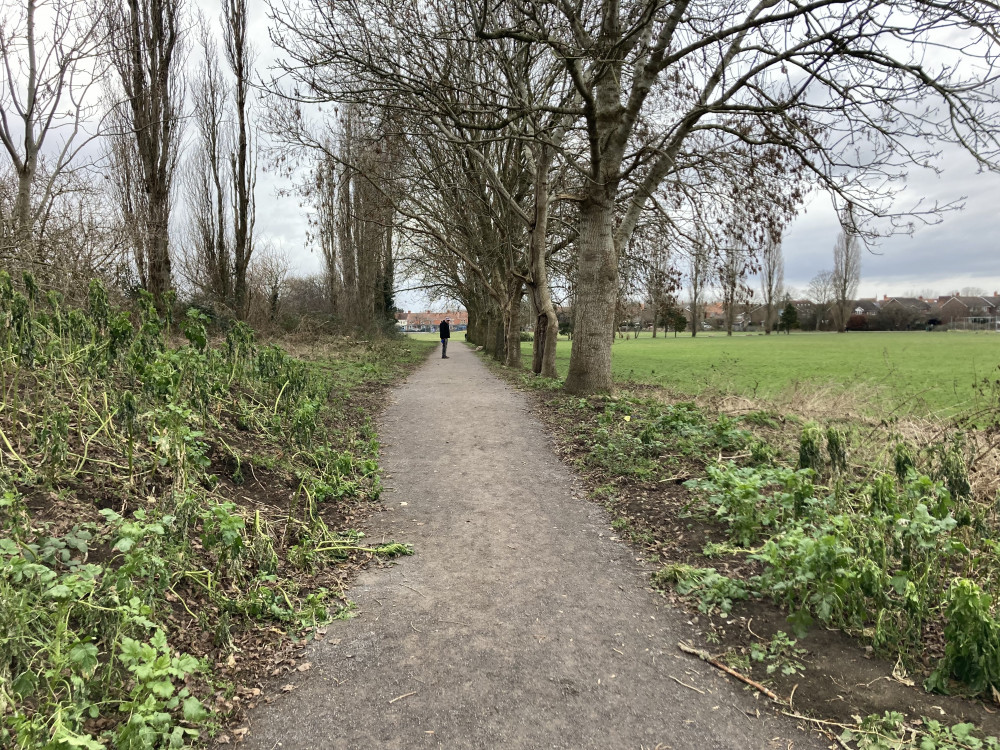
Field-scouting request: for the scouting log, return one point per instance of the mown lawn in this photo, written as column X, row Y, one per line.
column 911, row 372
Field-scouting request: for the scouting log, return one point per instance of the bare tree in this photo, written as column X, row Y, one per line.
column 732, row 272
column 206, row 257
column 772, row 282
column 822, row 293
column 48, row 54
column 723, row 73
column 266, row 282
column 144, row 48
column 352, row 193
column 699, row 278
column 846, row 269
column 450, row 98
column 241, row 56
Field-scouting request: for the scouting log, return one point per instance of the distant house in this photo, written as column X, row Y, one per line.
column 866, row 307
column 974, row 310
column 713, row 313
column 903, row 313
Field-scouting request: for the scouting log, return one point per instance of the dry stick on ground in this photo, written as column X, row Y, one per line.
column 704, row 656
column 400, row 697
column 818, row 723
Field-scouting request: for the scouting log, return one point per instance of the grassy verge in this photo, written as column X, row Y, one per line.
column 881, row 528
column 172, row 516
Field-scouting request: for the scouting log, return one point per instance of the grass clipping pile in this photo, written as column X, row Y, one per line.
column 849, row 565
column 172, row 518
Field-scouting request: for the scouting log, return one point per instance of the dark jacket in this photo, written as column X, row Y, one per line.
column 445, row 330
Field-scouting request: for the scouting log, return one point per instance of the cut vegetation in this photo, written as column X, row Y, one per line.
column 173, row 515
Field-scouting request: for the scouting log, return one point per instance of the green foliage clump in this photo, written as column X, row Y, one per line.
column 711, row 589
column 836, row 448
column 779, row 654
column 972, row 638
column 890, row 731
column 636, row 437
column 811, row 447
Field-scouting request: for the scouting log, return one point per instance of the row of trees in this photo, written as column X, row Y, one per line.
column 832, row 292
column 95, row 93
column 134, row 132
column 595, row 147
column 511, row 149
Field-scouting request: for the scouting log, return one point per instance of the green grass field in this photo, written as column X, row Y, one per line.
column 903, row 372
column 912, row 372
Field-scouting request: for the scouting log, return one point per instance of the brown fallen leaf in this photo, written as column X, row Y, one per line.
column 287, row 688
column 223, row 740
column 304, row 667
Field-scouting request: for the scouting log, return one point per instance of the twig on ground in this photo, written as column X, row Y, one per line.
column 822, row 726
column 400, row 697
column 689, row 687
column 705, row 656
column 746, row 714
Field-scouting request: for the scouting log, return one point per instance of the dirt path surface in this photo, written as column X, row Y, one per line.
column 520, row 622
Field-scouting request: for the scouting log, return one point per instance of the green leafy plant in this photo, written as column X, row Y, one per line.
column 811, row 447
column 972, row 640
column 780, row 654
column 155, row 706
column 711, row 589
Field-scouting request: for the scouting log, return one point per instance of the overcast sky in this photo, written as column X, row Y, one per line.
column 963, row 250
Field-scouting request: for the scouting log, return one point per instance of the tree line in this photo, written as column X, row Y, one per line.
column 494, row 152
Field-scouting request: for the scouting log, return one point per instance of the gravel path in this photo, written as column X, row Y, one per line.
column 520, row 622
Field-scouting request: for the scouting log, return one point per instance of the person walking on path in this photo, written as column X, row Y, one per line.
column 445, row 335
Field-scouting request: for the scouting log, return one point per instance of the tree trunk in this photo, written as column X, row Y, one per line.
column 495, row 338
column 240, row 61
column 476, row 332
column 24, row 235
column 543, row 351
column 22, row 208
column 512, row 324
column 158, row 246
column 596, row 296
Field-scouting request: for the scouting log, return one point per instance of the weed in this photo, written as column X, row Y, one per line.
column 711, row 589
column 890, row 731
column 811, row 447
column 836, row 448
column 972, row 636
column 779, row 654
